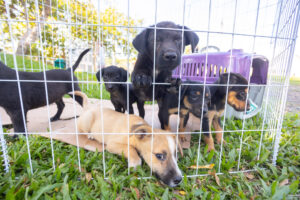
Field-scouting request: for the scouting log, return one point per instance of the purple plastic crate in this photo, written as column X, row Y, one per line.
column 193, row 66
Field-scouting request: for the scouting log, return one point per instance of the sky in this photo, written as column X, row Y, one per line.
column 218, row 18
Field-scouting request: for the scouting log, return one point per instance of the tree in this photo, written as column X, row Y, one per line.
column 31, row 33
column 88, row 26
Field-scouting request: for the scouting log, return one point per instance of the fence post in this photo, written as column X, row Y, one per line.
column 276, row 147
column 4, row 148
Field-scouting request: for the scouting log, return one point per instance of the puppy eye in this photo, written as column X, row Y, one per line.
column 160, row 156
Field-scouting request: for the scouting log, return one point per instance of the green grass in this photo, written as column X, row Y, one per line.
column 66, row 182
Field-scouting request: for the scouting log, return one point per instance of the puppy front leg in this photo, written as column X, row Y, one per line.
column 206, row 124
column 131, row 111
column 182, row 124
column 17, row 120
column 117, row 148
column 140, row 105
column 217, row 126
column 163, row 117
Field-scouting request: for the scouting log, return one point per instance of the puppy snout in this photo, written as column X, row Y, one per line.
column 170, row 56
column 177, row 180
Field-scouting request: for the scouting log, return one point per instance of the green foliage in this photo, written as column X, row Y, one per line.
column 108, row 27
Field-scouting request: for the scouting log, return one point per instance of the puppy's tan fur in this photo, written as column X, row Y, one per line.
column 95, row 122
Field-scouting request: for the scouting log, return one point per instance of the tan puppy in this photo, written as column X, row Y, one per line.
column 164, row 164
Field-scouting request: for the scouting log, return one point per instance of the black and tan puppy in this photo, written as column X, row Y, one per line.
column 33, row 91
column 237, row 94
column 166, row 50
column 118, row 91
column 192, row 100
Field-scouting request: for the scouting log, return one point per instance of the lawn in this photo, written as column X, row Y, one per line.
column 92, row 182
column 67, row 182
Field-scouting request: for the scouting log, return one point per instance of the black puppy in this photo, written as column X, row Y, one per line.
column 118, row 92
column 237, row 94
column 167, row 53
column 33, row 91
column 191, row 101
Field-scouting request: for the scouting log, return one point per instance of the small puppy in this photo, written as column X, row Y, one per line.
column 167, row 54
column 118, row 92
column 33, row 93
column 237, row 94
column 191, row 101
column 164, row 164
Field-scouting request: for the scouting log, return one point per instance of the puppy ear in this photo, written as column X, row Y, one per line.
column 140, row 41
column 141, row 128
column 123, row 74
column 191, row 38
column 223, row 79
column 233, row 79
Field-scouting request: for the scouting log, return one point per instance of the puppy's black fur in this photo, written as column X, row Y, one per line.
column 118, row 92
column 237, row 94
column 191, row 101
column 33, row 93
column 167, row 57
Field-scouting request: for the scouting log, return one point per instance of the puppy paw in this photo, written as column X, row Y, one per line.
column 53, row 119
column 182, row 138
column 142, row 80
column 210, row 148
column 174, row 84
column 90, row 137
column 219, row 142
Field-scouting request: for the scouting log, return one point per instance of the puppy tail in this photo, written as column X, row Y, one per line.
column 74, row 67
column 83, row 96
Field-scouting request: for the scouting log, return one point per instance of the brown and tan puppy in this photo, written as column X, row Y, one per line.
column 114, row 125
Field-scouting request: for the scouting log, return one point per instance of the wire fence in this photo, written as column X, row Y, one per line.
column 58, row 37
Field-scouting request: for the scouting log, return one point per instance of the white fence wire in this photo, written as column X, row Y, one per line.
column 280, row 41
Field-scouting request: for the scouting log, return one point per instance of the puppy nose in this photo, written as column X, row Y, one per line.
column 170, row 56
column 177, row 180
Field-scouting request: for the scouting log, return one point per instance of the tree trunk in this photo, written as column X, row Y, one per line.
column 31, row 34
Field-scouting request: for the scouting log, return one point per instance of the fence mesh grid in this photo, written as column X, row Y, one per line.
column 64, row 29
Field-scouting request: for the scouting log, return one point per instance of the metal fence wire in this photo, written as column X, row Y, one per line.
column 59, row 31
